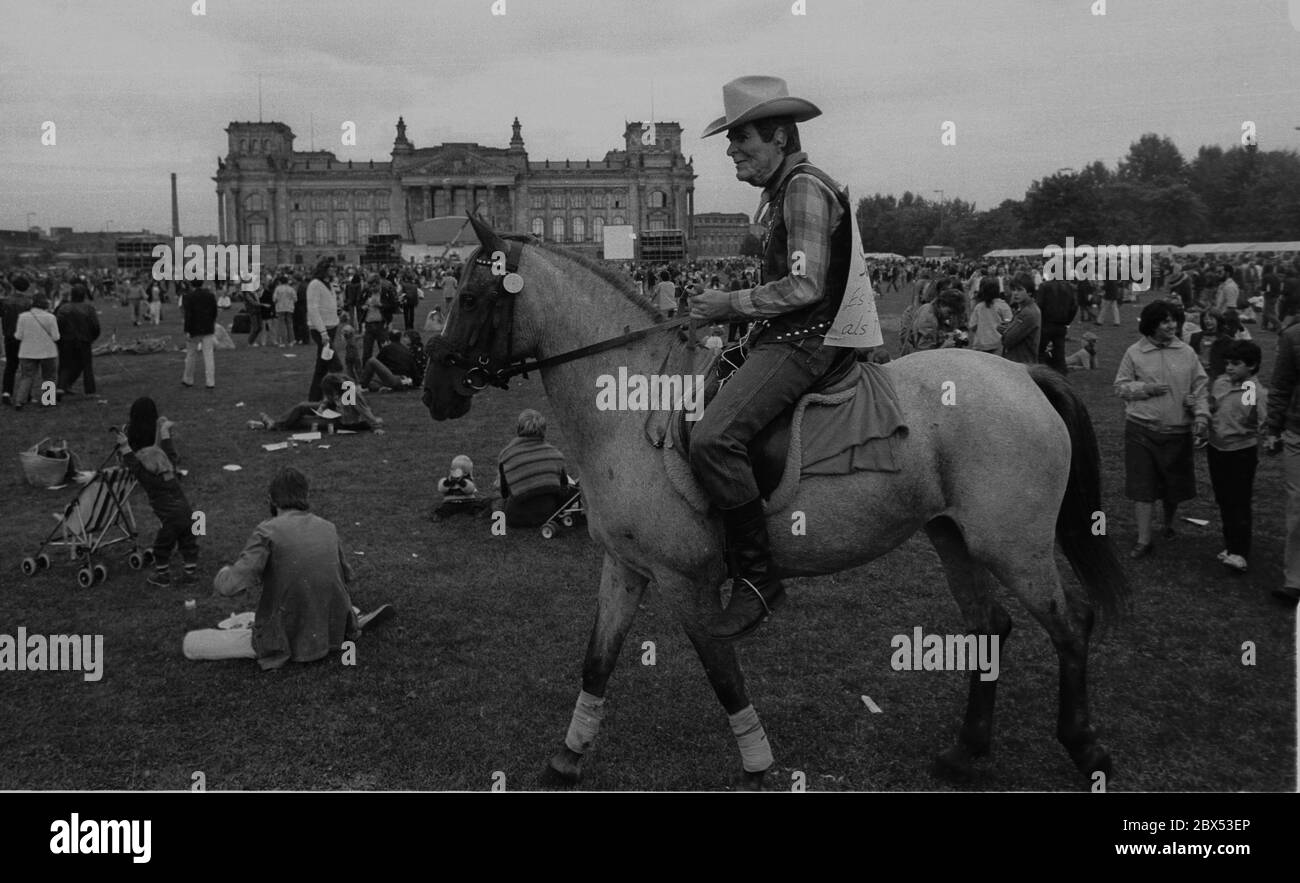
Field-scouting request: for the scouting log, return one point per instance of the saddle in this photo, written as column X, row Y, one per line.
column 849, row 422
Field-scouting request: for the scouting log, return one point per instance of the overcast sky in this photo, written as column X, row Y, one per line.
column 141, row 88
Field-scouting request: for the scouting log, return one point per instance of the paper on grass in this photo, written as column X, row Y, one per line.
column 277, row 446
column 305, row 436
column 327, row 414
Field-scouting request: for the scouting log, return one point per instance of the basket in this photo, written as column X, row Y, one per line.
column 42, row 470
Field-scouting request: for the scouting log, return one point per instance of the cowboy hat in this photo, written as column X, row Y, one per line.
column 746, row 99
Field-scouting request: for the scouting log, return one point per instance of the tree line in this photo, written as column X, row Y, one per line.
column 1153, row 196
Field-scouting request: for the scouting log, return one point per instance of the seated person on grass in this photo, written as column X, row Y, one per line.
column 342, row 397
column 457, row 492
column 531, row 475
column 304, row 611
column 392, row 368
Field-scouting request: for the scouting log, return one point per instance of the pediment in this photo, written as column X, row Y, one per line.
column 457, row 162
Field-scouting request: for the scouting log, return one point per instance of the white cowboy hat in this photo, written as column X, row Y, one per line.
column 746, row 99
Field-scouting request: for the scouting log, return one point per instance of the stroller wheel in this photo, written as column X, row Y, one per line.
column 29, row 566
column 101, row 573
column 85, row 577
column 567, row 521
column 135, row 560
column 42, row 561
column 548, row 530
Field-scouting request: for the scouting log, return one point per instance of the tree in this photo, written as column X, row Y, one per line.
column 1152, row 160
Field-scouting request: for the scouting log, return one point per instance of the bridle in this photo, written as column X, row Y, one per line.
column 483, row 361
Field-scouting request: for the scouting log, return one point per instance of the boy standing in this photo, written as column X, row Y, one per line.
column 1239, row 413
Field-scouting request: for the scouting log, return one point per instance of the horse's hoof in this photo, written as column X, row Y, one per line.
column 1093, row 758
column 562, row 770
column 954, row 765
column 751, row 781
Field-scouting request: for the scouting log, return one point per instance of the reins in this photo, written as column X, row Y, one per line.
column 479, row 370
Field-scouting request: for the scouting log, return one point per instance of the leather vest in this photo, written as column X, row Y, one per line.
column 815, row 318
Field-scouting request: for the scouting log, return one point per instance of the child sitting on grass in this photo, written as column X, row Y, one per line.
column 148, row 452
column 458, row 490
column 1238, row 415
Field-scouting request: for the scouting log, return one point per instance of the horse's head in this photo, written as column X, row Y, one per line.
column 477, row 347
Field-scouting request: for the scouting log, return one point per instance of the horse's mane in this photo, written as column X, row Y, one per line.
column 617, row 280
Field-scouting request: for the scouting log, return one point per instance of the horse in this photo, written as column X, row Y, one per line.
column 999, row 464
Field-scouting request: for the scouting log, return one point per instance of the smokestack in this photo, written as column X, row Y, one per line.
column 176, row 214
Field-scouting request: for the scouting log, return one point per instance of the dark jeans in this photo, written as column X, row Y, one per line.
column 76, row 360
column 408, row 314
column 374, row 339
column 176, row 530
column 1051, row 347
column 11, row 363
column 1233, row 475
column 773, row 377
column 323, row 367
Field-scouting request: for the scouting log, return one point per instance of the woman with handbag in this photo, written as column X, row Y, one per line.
column 38, row 334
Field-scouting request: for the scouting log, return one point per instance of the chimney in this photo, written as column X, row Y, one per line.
column 176, row 214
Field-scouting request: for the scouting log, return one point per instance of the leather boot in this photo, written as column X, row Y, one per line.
column 755, row 590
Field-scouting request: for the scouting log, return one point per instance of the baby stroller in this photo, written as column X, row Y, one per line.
column 99, row 516
column 566, row 515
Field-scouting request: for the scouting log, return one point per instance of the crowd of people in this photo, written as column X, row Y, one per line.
column 1192, row 380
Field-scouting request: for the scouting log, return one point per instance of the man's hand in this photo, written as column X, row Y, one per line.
column 1156, row 389
column 1273, row 445
column 709, row 303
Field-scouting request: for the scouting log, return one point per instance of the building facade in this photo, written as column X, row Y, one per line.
column 720, row 234
column 303, row 205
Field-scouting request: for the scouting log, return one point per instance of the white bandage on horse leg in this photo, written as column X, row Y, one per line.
column 755, row 753
column 587, row 715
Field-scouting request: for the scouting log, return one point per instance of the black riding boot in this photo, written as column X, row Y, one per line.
column 755, row 590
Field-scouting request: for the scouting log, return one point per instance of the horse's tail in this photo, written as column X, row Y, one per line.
column 1091, row 554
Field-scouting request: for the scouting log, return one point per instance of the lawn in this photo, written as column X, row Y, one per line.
column 478, row 672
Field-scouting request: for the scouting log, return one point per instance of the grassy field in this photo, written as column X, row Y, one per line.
column 479, row 671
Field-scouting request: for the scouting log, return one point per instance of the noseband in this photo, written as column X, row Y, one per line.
column 482, row 361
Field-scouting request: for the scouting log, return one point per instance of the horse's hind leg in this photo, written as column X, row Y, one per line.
column 973, row 588
column 1035, row 579
column 620, row 593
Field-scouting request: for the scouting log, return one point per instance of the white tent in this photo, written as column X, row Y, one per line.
column 1015, row 253
column 882, row 256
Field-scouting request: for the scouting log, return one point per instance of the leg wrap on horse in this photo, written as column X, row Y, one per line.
column 587, row 715
column 755, row 752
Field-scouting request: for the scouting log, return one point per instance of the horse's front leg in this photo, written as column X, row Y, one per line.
column 620, row 593
column 693, row 602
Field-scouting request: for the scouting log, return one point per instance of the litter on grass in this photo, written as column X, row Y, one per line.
column 276, row 446
column 1199, row 522
column 232, row 467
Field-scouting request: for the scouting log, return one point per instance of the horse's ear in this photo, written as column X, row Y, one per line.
column 487, row 237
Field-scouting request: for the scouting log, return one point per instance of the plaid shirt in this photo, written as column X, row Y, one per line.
column 811, row 212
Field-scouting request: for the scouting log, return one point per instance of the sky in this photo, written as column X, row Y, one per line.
column 138, row 89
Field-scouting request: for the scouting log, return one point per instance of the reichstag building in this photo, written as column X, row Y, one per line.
column 302, row 205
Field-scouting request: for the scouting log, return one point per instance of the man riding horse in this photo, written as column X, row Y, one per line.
column 806, row 256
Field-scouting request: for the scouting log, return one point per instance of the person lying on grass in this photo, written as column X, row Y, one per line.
column 340, row 396
column 304, row 611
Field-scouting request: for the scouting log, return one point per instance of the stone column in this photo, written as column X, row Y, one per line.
column 221, row 215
